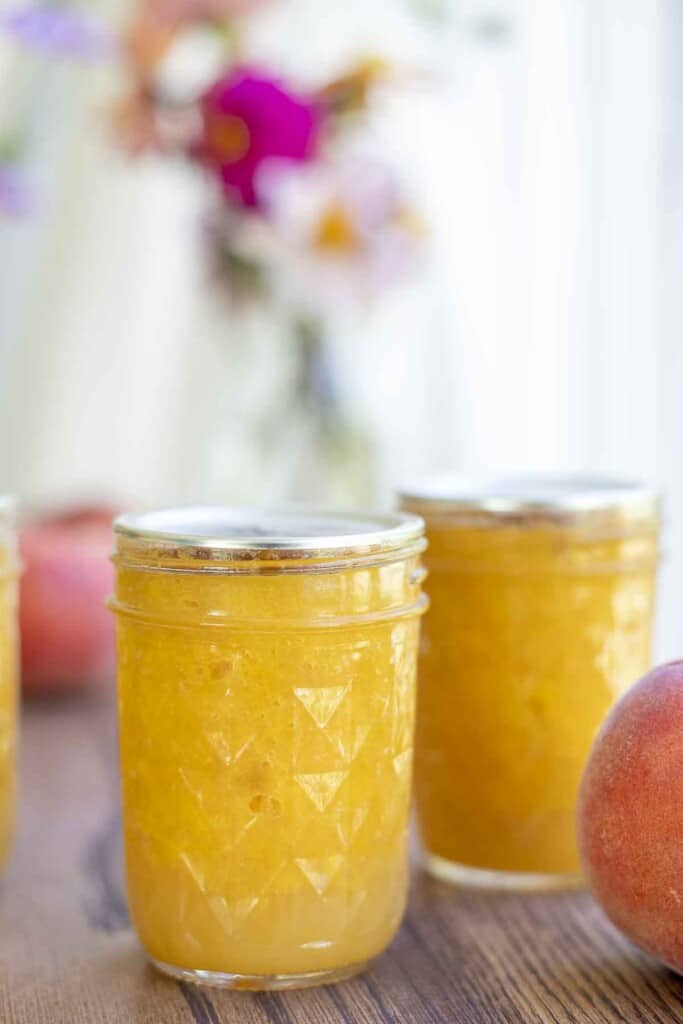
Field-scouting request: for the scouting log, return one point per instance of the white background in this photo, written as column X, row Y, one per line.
column 546, row 335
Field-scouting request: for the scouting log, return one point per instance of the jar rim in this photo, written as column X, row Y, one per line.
column 558, row 497
column 8, row 507
column 220, row 531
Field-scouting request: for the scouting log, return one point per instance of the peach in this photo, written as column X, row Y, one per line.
column 67, row 633
column 630, row 815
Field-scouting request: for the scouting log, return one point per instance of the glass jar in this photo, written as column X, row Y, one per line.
column 9, row 571
column 541, row 601
column 267, row 670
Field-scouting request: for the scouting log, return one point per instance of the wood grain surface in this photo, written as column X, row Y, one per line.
column 67, row 955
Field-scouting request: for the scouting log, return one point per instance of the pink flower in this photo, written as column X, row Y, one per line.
column 248, row 120
column 182, row 11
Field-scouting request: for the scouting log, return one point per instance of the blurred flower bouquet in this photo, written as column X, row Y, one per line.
column 301, row 225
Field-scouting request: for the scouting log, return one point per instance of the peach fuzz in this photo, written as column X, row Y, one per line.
column 630, row 815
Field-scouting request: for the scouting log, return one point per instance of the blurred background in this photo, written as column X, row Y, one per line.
column 266, row 250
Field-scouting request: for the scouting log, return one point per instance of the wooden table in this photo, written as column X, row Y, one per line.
column 67, row 955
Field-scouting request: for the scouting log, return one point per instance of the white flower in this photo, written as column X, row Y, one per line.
column 339, row 232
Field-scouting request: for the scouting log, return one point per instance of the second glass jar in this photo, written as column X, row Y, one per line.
column 266, row 688
column 541, row 608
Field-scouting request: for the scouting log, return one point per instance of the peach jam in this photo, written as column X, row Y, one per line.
column 541, row 599
column 267, row 670
column 8, row 674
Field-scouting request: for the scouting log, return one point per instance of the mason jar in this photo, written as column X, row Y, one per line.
column 9, row 572
column 267, row 669
column 541, row 605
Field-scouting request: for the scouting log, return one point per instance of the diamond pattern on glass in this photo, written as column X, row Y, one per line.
column 321, row 702
column 276, row 806
column 195, row 871
column 351, row 742
column 321, row 787
column 320, row 870
column 351, row 822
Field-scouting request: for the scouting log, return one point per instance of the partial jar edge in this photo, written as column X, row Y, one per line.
column 10, row 562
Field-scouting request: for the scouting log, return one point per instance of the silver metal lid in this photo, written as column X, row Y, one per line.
column 8, row 508
column 552, row 497
column 286, row 531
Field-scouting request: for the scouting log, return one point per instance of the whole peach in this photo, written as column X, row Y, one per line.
column 630, row 815
column 67, row 634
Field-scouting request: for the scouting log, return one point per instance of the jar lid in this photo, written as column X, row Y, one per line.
column 217, row 532
column 559, row 498
column 8, row 508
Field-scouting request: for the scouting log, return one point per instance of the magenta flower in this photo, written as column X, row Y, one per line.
column 248, row 120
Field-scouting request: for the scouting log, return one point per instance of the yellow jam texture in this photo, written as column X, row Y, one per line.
column 534, row 630
column 266, row 724
column 8, row 695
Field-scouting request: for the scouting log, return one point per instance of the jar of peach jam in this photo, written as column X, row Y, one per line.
column 541, row 601
column 9, row 570
column 267, row 670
